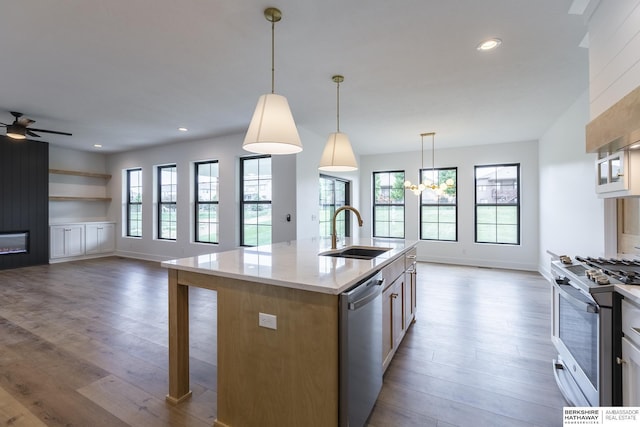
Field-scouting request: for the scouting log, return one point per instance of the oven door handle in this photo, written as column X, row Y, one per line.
column 571, row 294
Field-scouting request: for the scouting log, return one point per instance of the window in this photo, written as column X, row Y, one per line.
column 498, row 204
column 134, row 202
column 388, row 204
column 334, row 193
column 255, row 173
column 439, row 208
column 167, row 196
column 206, row 197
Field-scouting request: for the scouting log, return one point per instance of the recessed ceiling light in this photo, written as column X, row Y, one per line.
column 97, row 145
column 489, row 44
column 182, row 129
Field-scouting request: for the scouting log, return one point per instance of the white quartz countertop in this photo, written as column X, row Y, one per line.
column 295, row 264
column 631, row 292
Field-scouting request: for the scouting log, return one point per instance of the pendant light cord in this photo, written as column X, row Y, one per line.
column 273, row 48
column 422, row 160
column 338, row 106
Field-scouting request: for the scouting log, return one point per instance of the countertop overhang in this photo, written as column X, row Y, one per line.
column 295, row 264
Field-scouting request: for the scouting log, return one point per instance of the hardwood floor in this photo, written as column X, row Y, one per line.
column 85, row 344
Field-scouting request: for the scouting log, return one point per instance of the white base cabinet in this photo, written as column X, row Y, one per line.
column 81, row 239
column 67, row 240
column 100, row 238
column 630, row 354
column 630, row 374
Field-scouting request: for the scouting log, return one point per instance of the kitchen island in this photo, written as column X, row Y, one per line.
column 289, row 375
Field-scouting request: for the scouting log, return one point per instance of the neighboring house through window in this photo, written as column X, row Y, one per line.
column 497, row 204
column 255, row 210
column 388, row 204
column 206, row 202
column 134, row 202
column 167, row 198
column 439, row 208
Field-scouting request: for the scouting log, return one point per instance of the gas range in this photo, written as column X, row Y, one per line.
column 594, row 275
column 586, row 327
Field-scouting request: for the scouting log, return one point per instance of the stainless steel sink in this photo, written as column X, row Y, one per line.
column 357, row 252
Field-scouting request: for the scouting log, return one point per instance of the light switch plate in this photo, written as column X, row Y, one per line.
column 267, row 321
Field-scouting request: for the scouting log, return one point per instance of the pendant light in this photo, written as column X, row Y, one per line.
column 431, row 184
column 272, row 129
column 338, row 155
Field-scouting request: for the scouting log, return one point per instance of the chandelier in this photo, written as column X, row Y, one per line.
column 431, row 184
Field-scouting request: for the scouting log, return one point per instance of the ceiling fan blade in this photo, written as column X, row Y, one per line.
column 28, row 132
column 25, row 121
column 51, row 131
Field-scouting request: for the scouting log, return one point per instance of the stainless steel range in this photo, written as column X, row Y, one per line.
column 586, row 327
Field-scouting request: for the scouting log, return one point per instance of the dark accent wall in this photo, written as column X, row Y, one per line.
column 24, row 198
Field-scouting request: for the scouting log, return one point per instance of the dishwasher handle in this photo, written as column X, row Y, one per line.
column 369, row 296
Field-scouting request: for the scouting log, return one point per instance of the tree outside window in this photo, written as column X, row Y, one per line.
column 256, row 182
column 134, row 202
column 439, row 208
column 388, row 204
column 206, row 206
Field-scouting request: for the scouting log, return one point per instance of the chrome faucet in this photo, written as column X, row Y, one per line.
column 334, row 237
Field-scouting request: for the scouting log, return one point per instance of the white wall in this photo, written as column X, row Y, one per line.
column 68, row 185
column 614, row 53
column 465, row 251
column 571, row 216
column 227, row 150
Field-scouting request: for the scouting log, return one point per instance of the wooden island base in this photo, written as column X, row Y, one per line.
column 266, row 377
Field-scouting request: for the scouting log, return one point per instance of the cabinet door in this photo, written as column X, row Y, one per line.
column 409, row 296
column 100, row 238
column 57, row 247
column 387, row 327
column 630, row 374
column 92, row 239
column 108, row 238
column 397, row 312
column 74, row 240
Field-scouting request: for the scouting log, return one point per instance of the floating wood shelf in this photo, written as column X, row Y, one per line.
column 79, row 199
column 80, row 173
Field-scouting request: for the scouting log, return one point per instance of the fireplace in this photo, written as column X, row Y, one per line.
column 14, row 243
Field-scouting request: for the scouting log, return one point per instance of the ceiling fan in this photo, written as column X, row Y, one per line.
column 19, row 128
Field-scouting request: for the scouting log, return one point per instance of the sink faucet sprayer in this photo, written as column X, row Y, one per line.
column 334, row 237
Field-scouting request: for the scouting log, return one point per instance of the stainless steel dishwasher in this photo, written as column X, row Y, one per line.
column 360, row 350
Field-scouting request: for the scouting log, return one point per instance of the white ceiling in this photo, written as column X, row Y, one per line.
column 128, row 73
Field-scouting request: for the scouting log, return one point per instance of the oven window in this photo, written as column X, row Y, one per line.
column 579, row 333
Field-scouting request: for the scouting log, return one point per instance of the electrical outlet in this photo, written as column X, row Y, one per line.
column 267, row 321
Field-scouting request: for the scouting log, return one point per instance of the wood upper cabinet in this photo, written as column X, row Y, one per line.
column 617, row 127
